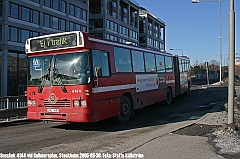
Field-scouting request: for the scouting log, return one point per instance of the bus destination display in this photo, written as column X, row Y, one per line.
column 54, row 42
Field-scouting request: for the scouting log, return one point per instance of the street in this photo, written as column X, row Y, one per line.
column 107, row 137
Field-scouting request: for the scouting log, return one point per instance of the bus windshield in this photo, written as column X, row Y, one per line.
column 59, row 69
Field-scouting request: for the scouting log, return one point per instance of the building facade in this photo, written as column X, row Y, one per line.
column 151, row 30
column 117, row 20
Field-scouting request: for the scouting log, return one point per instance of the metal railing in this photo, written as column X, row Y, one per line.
column 13, row 102
column 13, row 106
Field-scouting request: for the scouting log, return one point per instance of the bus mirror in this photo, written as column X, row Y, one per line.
column 98, row 71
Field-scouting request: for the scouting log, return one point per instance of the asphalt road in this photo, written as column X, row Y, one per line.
column 107, row 136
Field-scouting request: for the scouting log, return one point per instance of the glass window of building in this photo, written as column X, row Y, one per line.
column 13, row 11
column 47, row 3
column 63, row 25
column 150, row 62
column 12, row 74
column 13, row 34
column 63, row 6
column 71, row 9
column 84, row 14
column 71, row 26
column 78, row 27
column 46, row 20
column 55, row 22
column 55, row 4
column 35, row 17
column 24, row 35
column 25, row 14
column 22, row 76
column 78, row 12
column 17, row 66
column 84, row 29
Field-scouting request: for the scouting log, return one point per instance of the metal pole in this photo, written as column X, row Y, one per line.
column 220, row 68
column 231, row 82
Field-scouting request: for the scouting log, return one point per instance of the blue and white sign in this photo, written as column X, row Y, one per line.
column 36, row 62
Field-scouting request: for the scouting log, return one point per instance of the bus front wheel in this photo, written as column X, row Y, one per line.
column 125, row 110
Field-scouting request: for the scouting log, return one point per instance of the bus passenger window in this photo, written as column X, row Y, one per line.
column 122, row 59
column 150, row 62
column 138, row 62
column 169, row 64
column 160, row 62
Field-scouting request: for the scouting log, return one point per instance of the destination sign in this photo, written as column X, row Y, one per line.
column 53, row 42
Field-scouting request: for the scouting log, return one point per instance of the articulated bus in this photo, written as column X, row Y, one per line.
column 76, row 77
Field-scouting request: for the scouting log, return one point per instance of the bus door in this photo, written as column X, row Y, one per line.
column 177, row 75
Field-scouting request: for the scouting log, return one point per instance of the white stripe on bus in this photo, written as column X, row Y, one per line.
column 113, row 88
column 170, row 81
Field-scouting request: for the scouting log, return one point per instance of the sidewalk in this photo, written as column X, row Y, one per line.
column 174, row 146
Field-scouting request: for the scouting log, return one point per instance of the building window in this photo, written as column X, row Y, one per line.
column 46, row 20
column 55, row 22
column 13, row 11
column 77, row 12
column 47, row 3
column 59, row 5
column 62, row 25
column 20, row 35
column 25, row 14
column 17, row 73
column 55, row 4
column 24, row 35
column 35, row 17
column 13, row 34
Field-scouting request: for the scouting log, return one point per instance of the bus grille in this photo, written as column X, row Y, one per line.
column 59, row 103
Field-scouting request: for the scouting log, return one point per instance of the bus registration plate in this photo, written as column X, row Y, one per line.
column 53, row 110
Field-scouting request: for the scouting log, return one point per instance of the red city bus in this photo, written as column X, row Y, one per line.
column 75, row 77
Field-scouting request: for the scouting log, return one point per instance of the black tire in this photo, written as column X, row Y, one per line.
column 125, row 110
column 168, row 100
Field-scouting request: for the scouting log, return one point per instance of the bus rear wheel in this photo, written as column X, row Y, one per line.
column 125, row 110
column 168, row 100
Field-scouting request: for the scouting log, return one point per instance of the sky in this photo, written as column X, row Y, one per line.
column 195, row 27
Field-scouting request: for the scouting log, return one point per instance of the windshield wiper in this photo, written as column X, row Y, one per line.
column 52, row 71
column 53, row 74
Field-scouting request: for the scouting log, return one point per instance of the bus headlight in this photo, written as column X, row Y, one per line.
column 76, row 103
column 83, row 103
column 31, row 102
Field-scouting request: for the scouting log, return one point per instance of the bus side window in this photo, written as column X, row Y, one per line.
column 100, row 60
column 122, row 58
column 169, row 64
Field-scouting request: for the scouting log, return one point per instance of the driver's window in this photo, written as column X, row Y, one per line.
column 100, row 60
